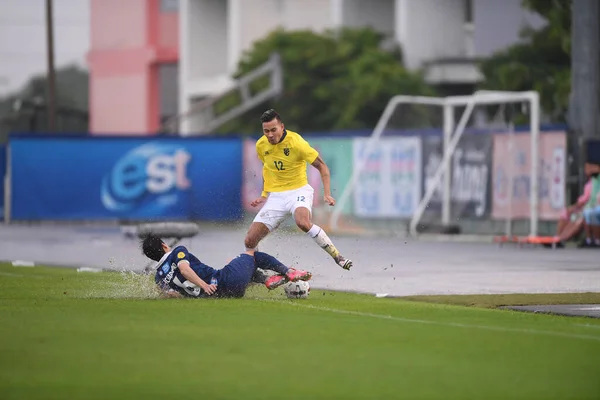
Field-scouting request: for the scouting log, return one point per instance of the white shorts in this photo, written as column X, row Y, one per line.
column 280, row 205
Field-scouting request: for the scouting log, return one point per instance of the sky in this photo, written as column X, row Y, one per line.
column 23, row 38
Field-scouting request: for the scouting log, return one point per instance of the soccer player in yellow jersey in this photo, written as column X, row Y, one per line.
column 286, row 191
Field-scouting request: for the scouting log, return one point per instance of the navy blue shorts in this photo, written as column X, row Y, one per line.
column 234, row 278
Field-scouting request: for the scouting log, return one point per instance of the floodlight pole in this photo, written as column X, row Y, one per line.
column 51, row 76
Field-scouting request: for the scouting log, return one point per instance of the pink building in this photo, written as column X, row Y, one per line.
column 133, row 63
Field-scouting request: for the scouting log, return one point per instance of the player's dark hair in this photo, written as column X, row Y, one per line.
column 152, row 247
column 269, row 116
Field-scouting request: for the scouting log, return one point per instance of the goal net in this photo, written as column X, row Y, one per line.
column 448, row 165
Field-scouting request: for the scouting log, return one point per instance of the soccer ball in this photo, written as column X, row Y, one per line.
column 297, row 290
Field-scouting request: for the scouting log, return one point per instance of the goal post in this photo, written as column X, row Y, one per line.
column 451, row 135
column 375, row 136
column 485, row 97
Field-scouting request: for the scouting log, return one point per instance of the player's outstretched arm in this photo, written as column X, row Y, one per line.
column 263, row 196
column 189, row 274
column 258, row 201
column 323, row 169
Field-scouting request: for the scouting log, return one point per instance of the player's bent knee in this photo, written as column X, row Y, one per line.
column 305, row 225
column 250, row 242
column 595, row 218
column 587, row 216
column 302, row 218
column 256, row 233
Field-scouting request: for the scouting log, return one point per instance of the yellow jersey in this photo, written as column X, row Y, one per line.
column 284, row 163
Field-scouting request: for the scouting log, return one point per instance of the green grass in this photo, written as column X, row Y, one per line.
column 69, row 335
column 520, row 299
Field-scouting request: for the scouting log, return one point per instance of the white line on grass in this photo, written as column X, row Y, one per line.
column 589, row 326
column 429, row 322
column 11, row 274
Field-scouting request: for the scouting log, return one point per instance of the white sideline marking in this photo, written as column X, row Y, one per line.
column 588, row 308
column 589, row 326
column 429, row 322
column 19, row 275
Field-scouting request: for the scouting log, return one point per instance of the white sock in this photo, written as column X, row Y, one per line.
column 314, row 231
column 321, row 238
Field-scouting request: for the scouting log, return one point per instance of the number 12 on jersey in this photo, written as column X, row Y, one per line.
column 279, row 165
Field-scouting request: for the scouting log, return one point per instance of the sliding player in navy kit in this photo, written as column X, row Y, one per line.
column 181, row 274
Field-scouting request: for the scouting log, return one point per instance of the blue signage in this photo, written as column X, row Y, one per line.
column 126, row 178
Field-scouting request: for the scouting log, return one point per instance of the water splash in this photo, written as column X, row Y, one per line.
column 124, row 284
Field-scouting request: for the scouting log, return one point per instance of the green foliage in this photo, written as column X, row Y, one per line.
column 541, row 62
column 336, row 80
column 71, row 99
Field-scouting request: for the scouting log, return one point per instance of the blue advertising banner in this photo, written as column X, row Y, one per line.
column 126, row 178
column 2, row 175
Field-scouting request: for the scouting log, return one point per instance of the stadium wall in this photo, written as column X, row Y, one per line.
column 214, row 179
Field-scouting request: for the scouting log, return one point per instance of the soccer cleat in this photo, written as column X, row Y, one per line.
column 275, row 281
column 295, row 275
column 343, row 262
column 261, row 275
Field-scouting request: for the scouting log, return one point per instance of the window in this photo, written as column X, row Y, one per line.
column 169, row 6
column 468, row 11
column 168, row 89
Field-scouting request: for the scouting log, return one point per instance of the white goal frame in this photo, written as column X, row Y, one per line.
column 452, row 137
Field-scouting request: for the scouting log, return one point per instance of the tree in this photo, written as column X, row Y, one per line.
column 25, row 110
column 541, row 62
column 335, row 80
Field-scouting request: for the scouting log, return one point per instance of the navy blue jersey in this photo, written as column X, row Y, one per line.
column 168, row 275
column 235, row 277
